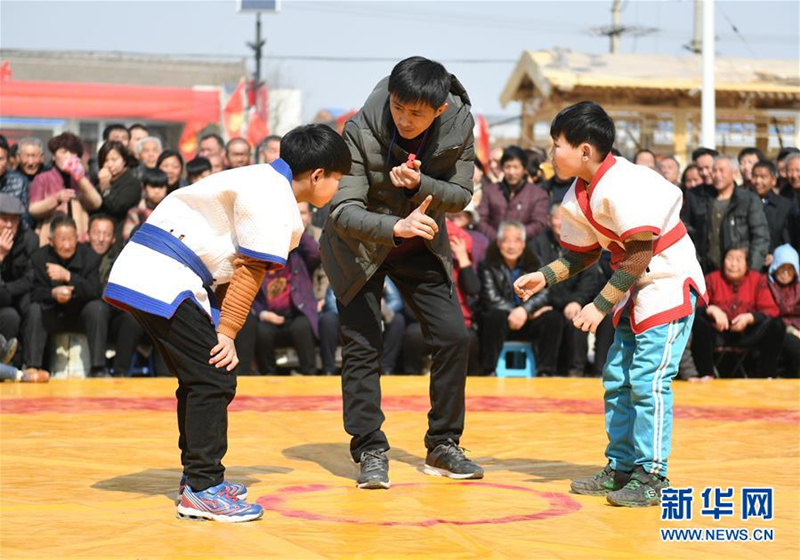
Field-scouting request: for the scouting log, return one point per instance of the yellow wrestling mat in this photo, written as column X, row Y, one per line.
column 89, row 469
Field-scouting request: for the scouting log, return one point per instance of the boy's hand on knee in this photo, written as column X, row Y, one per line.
column 529, row 284
column 588, row 319
column 224, row 353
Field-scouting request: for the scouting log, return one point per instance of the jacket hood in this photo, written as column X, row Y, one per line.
column 785, row 254
column 376, row 115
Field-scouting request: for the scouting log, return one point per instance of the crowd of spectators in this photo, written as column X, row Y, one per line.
column 66, row 214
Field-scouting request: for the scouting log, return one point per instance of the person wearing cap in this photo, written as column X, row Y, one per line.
column 17, row 244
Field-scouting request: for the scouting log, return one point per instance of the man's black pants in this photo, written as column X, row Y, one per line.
column 423, row 284
column 204, row 391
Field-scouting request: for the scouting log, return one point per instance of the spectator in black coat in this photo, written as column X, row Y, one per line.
column 66, row 296
column 16, row 274
column 764, row 177
column 504, row 315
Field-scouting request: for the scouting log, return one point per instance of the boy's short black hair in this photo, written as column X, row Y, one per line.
column 700, row 152
column 768, row 165
column 315, row 146
column 514, row 153
column 751, row 152
column 197, row 166
column 585, row 122
column 112, row 127
column 61, row 220
column 418, row 79
column 154, row 178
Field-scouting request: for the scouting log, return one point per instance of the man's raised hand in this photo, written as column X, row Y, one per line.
column 417, row 224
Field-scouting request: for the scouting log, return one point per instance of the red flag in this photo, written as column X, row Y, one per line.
column 257, row 124
column 481, row 133
column 187, row 145
column 233, row 114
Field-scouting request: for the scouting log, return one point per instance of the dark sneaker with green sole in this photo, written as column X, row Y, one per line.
column 448, row 459
column 374, row 470
column 643, row 490
column 602, row 483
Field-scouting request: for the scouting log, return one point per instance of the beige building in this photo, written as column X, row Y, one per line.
column 655, row 100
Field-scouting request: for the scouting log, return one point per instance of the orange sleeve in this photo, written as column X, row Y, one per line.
column 238, row 295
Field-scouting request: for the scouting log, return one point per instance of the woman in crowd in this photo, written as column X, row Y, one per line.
column 171, row 163
column 120, row 188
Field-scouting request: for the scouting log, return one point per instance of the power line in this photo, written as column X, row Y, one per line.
column 736, row 31
column 388, row 59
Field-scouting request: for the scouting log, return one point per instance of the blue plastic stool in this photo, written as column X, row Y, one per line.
column 516, row 360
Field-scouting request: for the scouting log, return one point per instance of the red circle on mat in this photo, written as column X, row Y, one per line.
column 558, row 504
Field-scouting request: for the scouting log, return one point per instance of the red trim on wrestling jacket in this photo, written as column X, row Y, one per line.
column 665, row 317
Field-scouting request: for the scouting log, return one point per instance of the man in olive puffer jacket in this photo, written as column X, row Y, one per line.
column 388, row 218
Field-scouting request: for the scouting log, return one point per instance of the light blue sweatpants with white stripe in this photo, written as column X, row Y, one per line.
column 637, row 379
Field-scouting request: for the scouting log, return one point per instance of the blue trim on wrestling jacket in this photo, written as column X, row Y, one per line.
column 167, row 244
column 116, row 294
column 283, row 168
column 262, row 256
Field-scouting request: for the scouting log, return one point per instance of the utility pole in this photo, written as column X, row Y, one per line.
column 708, row 111
column 696, row 45
column 257, row 46
column 614, row 36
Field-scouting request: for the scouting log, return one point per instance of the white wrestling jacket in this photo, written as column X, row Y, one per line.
column 188, row 244
column 622, row 200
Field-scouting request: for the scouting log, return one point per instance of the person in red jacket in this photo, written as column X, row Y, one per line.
column 741, row 312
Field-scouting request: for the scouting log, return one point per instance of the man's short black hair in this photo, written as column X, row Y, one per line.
column 154, row 178
column 700, row 152
column 315, row 146
column 61, row 220
column 134, row 126
column 643, row 151
column 115, row 126
column 418, row 79
column 751, row 152
column 585, row 122
column 769, row 166
column 197, row 166
column 514, row 153
column 102, row 216
column 786, row 152
column 3, row 143
column 217, row 137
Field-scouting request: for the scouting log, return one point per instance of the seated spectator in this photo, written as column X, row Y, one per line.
column 12, row 183
column 171, row 163
column 238, row 153
column 270, row 149
column 691, row 178
column 117, row 132
column 645, row 158
column 31, row 158
column 670, row 169
column 468, row 289
column 328, row 332
column 764, row 177
column 785, row 288
column 495, row 172
column 66, row 296
column 155, row 190
column 120, row 188
column 725, row 216
column 748, row 157
column 198, row 168
column 504, row 315
column 791, row 189
column 514, row 198
column 740, row 313
column 13, row 156
column 467, row 220
column 556, row 188
column 17, row 245
column 64, row 189
column 568, row 297
column 123, row 328
column 780, row 161
column 136, row 132
column 148, row 149
column 287, row 311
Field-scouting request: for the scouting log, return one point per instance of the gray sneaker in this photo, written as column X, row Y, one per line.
column 374, row 470
column 447, row 459
column 602, row 483
column 643, row 490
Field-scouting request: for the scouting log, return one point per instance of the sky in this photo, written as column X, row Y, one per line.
column 478, row 41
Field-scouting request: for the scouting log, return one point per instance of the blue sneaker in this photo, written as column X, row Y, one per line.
column 218, row 504
column 234, row 488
